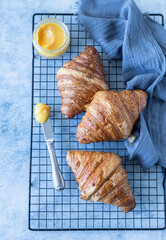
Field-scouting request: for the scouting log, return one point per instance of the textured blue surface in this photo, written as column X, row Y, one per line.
column 15, row 105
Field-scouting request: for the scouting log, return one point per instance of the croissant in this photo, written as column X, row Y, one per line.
column 102, row 178
column 78, row 81
column 111, row 115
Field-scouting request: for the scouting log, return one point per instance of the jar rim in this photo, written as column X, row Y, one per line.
column 50, row 20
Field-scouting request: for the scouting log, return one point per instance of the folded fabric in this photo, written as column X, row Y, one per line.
column 124, row 32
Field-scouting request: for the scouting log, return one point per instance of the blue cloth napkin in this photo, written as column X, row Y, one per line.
column 124, row 32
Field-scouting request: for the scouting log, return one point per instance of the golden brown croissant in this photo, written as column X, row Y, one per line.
column 102, row 178
column 111, row 115
column 78, row 81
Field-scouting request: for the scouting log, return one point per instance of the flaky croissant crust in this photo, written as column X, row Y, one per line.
column 102, row 178
column 78, row 81
column 111, row 115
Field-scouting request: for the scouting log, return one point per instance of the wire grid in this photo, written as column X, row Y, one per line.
column 52, row 210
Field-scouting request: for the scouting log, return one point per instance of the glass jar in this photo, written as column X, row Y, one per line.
column 51, row 54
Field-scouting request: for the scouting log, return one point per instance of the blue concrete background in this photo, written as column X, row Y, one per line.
column 15, row 118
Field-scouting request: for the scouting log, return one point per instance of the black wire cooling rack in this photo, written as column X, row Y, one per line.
column 52, row 210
